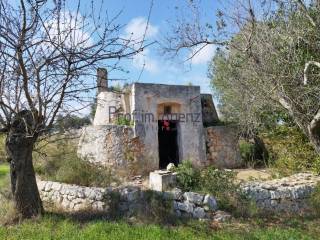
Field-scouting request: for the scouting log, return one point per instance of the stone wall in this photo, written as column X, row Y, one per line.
column 222, row 147
column 113, row 146
column 125, row 200
column 289, row 194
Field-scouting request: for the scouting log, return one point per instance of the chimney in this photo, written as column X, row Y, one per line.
column 102, row 79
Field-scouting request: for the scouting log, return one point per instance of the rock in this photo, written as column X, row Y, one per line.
column 198, row 213
column 162, row 180
column 171, row 167
column 41, row 185
column 174, row 194
column 56, row 186
column 48, row 186
column 183, row 206
column 210, row 202
column 193, row 197
column 130, row 194
column 221, row 216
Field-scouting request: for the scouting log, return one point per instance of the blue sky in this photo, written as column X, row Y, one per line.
column 157, row 68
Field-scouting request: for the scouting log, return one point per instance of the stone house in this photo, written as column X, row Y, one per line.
column 146, row 126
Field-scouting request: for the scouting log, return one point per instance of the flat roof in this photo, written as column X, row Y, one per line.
column 166, row 85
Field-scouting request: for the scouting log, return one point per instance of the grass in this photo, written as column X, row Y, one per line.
column 55, row 226
column 62, row 227
column 4, row 171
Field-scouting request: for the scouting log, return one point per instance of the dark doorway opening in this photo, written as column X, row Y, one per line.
column 168, row 143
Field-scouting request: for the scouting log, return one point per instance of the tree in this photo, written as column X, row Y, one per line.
column 47, row 52
column 273, row 57
column 69, row 121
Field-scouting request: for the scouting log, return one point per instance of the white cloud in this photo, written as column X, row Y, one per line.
column 136, row 29
column 204, row 55
column 144, row 60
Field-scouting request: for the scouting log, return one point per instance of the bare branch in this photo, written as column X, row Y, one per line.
column 306, row 67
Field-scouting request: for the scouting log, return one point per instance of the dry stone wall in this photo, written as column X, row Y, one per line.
column 124, row 200
column 289, row 194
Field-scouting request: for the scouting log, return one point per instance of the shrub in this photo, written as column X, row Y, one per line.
column 290, row 150
column 223, row 185
column 62, row 164
column 246, row 152
column 316, row 166
column 315, row 200
column 188, row 177
column 77, row 171
column 220, row 183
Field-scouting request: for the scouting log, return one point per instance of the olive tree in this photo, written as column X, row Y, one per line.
column 272, row 55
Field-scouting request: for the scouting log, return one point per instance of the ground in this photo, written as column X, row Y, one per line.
column 253, row 174
column 4, row 170
column 53, row 226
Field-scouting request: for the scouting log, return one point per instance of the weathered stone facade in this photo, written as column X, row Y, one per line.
column 222, row 147
column 289, row 194
column 113, row 146
column 148, row 108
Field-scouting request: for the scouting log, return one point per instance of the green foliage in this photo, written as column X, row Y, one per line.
column 188, row 177
column 117, row 88
column 220, row 183
column 122, row 120
column 62, row 164
column 247, row 152
column 316, row 166
column 71, row 122
column 3, row 155
column 259, row 83
column 315, row 200
column 4, row 170
column 290, row 150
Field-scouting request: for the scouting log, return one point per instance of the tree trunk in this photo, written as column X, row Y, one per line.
column 314, row 135
column 19, row 146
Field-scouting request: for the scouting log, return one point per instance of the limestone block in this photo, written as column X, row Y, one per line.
column 184, row 206
column 193, row 197
column 210, row 202
column 198, row 212
column 162, row 180
column 48, row 186
column 130, row 194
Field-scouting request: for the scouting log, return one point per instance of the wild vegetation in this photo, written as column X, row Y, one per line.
column 266, row 77
column 58, row 226
column 58, row 161
column 220, row 183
